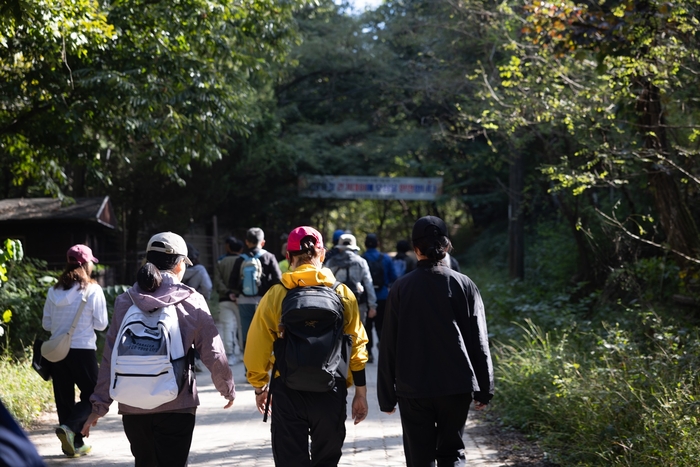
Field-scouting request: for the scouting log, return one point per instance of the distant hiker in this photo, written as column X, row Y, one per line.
column 312, row 316
column 254, row 272
column 334, row 249
column 403, row 261
column 352, row 270
column 451, row 262
column 159, row 313
column 196, row 276
column 434, row 354
column 383, row 275
column 75, row 292
column 229, row 319
column 284, row 264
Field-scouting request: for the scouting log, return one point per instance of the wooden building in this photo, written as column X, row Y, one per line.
column 47, row 227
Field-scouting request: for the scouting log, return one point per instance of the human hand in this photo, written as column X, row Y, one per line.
column 229, row 404
column 392, row 411
column 372, row 313
column 479, row 405
column 261, row 400
column 360, row 408
column 91, row 421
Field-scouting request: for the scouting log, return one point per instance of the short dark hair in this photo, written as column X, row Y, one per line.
column 234, row 244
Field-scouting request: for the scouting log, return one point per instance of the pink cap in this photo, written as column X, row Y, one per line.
column 296, row 235
column 80, row 254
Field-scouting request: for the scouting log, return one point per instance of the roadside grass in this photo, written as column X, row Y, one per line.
column 23, row 392
column 597, row 378
column 603, row 399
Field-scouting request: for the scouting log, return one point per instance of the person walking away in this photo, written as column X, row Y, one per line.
column 434, row 356
column 284, row 264
column 383, row 276
column 402, row 261
column 254, row 272
column 334, row 249
column 229, row 322
column 451, row 262
column 352, row 270
column 196, row 276
column 307, row 401
column 159, row 423
column 63, row 301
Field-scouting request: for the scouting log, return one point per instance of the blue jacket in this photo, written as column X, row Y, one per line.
column 372, row 254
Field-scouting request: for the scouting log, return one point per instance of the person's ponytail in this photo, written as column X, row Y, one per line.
column 435, row 248
column 149, row 277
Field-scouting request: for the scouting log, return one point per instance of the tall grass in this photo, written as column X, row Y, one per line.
column 613, row 399
column 23, row 392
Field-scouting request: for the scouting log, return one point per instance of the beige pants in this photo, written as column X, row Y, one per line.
column 230, row 328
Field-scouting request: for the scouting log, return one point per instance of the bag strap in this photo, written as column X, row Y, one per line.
column 83, row 301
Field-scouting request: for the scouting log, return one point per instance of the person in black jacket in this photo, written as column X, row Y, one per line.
column 270, row 275
column 434, row 356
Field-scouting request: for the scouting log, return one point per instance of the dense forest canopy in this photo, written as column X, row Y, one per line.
column 581, row 110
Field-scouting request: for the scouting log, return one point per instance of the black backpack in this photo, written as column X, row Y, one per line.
column 376, row 269
column 311, row 350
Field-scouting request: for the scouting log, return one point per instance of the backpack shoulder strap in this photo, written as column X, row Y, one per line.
column 335, row 286
column 177, row 348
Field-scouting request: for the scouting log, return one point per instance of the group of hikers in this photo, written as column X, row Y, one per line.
column 304, row 331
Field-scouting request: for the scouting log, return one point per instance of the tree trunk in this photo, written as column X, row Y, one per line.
column 676, row 220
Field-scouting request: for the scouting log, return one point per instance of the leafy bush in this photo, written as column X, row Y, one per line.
column 22, row 295
column 23, row 392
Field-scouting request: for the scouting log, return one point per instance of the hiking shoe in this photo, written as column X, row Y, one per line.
column 232, row 360
column 67, row 438
column 82, row 450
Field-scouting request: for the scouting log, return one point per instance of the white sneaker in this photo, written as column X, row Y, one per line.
column 232, row 360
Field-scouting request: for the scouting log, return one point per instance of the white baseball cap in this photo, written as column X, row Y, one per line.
column 169, row 243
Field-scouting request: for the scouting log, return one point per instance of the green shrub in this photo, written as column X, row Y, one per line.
column 23, row 392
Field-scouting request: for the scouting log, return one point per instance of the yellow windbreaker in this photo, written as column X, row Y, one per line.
column 258, row 357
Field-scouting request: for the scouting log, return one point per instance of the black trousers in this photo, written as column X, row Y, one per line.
column 298, row 415
column 432, row 429
column 79, row 368
column 160, row 439
column 375, row 323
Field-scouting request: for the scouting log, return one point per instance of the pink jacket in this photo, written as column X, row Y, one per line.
column 196, row 327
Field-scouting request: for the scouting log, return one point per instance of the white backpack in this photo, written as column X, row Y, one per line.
column 143, row 374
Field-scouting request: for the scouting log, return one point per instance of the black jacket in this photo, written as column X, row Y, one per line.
column 434, row 341
column 271, row 273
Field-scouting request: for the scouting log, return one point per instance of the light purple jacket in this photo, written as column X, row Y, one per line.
column 196, row 327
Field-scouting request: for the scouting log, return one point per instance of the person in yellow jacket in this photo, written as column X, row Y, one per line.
column 298, row 415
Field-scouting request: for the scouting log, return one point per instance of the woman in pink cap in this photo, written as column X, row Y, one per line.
column 75, row 286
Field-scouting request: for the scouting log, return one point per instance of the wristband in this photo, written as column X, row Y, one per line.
column 261, row 391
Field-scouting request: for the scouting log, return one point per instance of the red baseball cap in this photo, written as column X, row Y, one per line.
column 296, row 235
column 80, row 254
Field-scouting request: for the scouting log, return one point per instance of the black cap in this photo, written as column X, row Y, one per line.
column 371, row 241
column 429, row 226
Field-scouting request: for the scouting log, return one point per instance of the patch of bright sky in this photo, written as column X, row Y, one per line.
column 358, row 6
